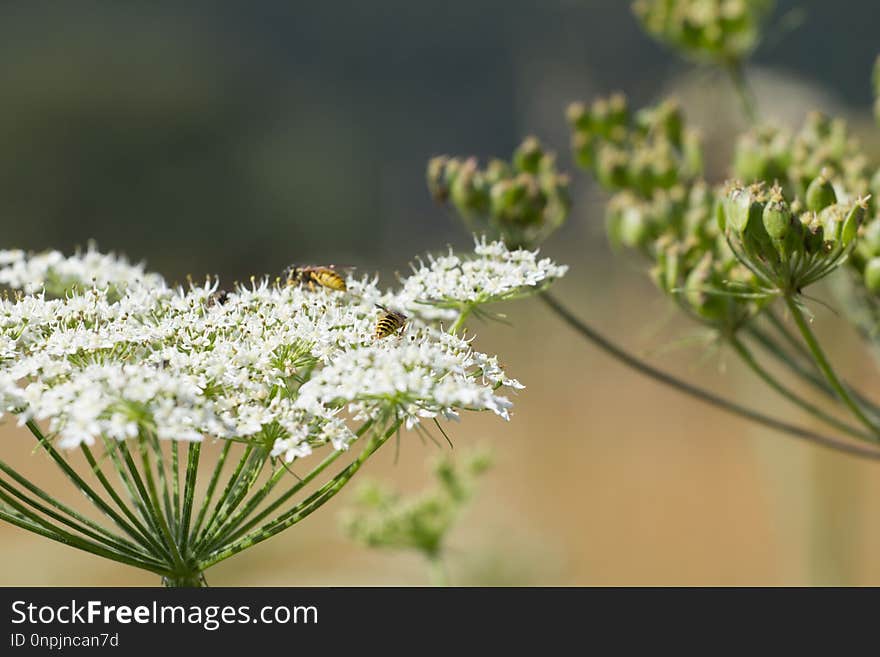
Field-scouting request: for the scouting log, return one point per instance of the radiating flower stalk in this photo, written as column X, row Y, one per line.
column 384, row 519
column 122, row 379
column 739, row 256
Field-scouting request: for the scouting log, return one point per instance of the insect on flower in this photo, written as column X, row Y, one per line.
column 389, row 323
column 316, row 275
column 219, row 297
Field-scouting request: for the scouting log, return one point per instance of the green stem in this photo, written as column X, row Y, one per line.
column 175, row 479
column 743, row 91
column 140, row 533
column 306, row 507
column 293, row 490
column 825, row 366
column 209, row 493
column 43, row 528
column 437, row 570
column 164, row 484
column 640, row 366
column 223, row 500
column 251, row 473
column 109, row 536
column 190, row 580
column 231, row 531
column 807, row 373
column 462, row 316
column 771, row 381
column 79, row 524
column 154, row 499
column 150, row 512
column 189, row 490
column 78, row 481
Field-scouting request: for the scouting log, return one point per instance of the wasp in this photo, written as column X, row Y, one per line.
column 389, row 323
column 316, row 275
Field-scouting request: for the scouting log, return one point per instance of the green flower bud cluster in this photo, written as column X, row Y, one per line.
column 822, row 146
column 661, row 208
column 697, row 276
column 720, row 31
column 786, row 249
column 520, row 202
column 642, row 153
column 386, row 519
column 763, row 153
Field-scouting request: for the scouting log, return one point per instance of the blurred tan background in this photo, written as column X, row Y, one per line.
column 233, row 139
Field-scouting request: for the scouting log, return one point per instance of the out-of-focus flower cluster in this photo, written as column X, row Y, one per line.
column 58, row 275
column 520, row 202
column 385, row 519
column 121, row 354
column 720, row 31
column 803, row 207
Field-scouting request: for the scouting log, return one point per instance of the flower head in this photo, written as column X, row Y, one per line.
column 123, row 355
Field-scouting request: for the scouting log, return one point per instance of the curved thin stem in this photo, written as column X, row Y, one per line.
column 807, row 373
column 825, row 366
column 705, row 396
column 306, row 507
column 108, row 537
column 21, row 518
column 743, row 90
column 80, row 483
column 189, row 490
column 209, row 493
column 234, row 529
column 791, row 396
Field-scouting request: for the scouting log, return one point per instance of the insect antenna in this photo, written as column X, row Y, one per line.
column 440, row 428
column 287, row 467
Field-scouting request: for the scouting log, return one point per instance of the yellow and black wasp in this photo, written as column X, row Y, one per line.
column 389, row 323
column 314, row 276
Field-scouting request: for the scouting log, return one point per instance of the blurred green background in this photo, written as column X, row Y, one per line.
column 234, row 138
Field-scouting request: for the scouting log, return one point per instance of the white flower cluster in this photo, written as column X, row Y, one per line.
column 494, row 273
column 58, row 274
column 287, row 367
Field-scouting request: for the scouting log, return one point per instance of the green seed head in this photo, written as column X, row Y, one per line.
column 854, row 218
column 737, row 207
column 820, row 193
column 777, row 215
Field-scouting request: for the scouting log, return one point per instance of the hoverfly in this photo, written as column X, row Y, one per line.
column 316, row 275
column 389, row 323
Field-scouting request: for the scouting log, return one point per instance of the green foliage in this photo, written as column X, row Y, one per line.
column 521, row 202
column 719, row 31
column 382, row 518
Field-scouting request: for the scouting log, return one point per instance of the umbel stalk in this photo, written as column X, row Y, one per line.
column 152, row 528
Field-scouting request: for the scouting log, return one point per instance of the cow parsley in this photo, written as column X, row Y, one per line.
column 96, row 352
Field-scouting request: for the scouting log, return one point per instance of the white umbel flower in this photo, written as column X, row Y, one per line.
column 121, row 355
column 492, row 273
column 53, row 271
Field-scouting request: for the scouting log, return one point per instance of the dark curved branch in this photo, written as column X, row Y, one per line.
column 705, row 396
